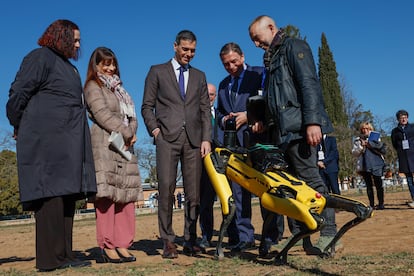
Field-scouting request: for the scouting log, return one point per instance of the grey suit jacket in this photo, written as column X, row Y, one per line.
column 163, row 107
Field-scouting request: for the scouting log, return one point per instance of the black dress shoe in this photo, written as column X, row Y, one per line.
column 125, row 259
column 204, row 244
column 264, row 248
column 46, row 269
column 191, row 249
column 170, row 250
column 231, row 244
column 243, row 246
column 312, row 251
column 107, row 259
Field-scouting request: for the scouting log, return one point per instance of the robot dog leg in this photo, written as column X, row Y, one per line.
column 278, row 191
column 338, row 202
column 216, row 171
column 318, row 221
column 361, row 211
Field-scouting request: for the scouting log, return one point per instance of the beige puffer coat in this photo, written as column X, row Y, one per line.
column 116, row 177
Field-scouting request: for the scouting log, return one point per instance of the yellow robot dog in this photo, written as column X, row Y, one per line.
column 261, row 169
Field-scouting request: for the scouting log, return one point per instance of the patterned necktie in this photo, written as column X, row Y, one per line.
column 181, row 82
column 234, row 88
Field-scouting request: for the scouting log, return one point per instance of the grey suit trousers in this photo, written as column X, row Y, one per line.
column 168, row 155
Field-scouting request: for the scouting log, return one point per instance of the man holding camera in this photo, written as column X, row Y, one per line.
column 242, row 82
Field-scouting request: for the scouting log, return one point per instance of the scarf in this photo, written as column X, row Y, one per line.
column 126, row 104
column 274, row 46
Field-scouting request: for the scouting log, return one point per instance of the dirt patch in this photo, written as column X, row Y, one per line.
column 377, row 235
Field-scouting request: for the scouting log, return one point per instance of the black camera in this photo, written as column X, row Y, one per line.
column 230, row 133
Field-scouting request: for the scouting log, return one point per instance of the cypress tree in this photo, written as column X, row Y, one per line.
column 334, row 103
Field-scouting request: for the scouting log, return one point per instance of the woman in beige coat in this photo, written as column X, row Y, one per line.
column 119, row 184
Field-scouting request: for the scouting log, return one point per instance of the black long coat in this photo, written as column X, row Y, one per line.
column 46, row 107
column 405, row 157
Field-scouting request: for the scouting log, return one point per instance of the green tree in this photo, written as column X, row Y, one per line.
column 334, row 103
column 293, row 31
column 344, row 138
column 9, row 191
column 362, row 116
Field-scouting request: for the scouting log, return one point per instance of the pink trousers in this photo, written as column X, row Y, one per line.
column 115, row 223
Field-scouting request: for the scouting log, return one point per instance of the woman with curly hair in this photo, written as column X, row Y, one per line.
column 54, row 153
column 370, row 163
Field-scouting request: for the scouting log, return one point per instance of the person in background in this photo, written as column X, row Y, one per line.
column 179, row 200
column 328, row 163
column 402, row 138
column 370, row 154
column 54, row 154
column 111, row 109
column 207, row 193
column 176, row 112
column 296, row 117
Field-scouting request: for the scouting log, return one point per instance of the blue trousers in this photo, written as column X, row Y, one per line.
column 273, row 231
column 241, row 227
column 331, row 181
column 410, row 183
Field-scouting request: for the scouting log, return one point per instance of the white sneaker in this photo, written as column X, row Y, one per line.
column 410, row 204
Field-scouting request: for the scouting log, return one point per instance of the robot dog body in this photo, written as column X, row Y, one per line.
column 261, row 169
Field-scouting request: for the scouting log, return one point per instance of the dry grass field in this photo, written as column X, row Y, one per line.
column 384, row 244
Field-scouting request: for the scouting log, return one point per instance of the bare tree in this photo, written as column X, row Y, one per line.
column 147, row 161
column 6, row 140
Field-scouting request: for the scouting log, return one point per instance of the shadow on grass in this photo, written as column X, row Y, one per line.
column 292, row 263
column 15, row 259
column 150, row 247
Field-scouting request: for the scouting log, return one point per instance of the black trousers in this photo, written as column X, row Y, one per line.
column 302, row 159
column 371, row 181
column 54, row 225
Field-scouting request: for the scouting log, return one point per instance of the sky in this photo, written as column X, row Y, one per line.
column 371, row 41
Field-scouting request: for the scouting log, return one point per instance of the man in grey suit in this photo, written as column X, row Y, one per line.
column 176, row 112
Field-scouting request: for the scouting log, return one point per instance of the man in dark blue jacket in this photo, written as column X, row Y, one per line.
column 328, row 163
column 402, row 138
column 243, row 81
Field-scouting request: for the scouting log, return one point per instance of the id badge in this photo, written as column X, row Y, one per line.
column 405, row 144
column 321, row 155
